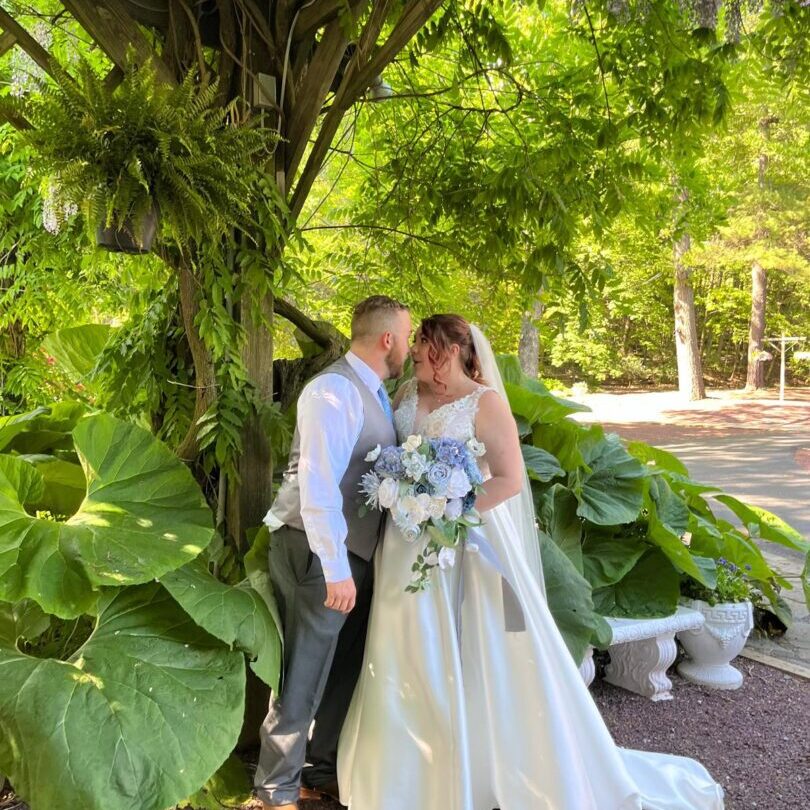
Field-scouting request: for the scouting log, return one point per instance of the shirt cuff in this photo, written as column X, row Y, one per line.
column 272, row 522
column 338, row 569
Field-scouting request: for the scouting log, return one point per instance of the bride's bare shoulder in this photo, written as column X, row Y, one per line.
column 492, row 407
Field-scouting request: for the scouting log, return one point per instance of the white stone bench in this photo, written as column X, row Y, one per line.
column 641, row 652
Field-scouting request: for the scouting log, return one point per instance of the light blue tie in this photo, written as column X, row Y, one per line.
column 382, row 395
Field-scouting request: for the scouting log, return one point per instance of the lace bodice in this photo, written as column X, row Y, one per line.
column 455, row 420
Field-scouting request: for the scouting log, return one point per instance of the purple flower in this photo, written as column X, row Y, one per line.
column 389, row 464
column 449, row 451
column 438, row 476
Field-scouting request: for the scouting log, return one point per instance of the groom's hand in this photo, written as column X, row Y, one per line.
column 341, row 595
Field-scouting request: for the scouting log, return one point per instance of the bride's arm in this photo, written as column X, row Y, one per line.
column 495, row 427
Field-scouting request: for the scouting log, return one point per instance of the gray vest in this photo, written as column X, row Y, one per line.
column 364, row 532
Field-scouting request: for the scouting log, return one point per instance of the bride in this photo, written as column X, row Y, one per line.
column 460, row 707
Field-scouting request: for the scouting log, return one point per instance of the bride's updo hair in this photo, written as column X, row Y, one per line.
column 441, row 332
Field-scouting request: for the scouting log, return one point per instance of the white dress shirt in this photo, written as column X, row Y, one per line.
column 330, row 419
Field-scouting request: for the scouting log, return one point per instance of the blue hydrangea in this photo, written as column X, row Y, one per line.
column 449, row 451
column 389, row 464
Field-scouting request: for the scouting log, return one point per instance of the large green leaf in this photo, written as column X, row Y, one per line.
column 762, row 523
column 143, row 515
column 230, row 786
column 558, row 518
column 661, row 535
column 77, row 348
column 24, row 619
column 23, row 477
column 11, row 426
column 64, row 485
column 564, row 440
column 608, row 558
column 650, row 455
column 569, row 600
column 650, row 589
column 670, row 508
column 257, row 568
column 236, row 615
column 144, row 713
column 41, row 430
column 540, row 465
column 611, row 492
column 540, row 405
column 718, row 538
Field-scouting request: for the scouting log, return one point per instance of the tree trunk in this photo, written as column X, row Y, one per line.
column 690, row 373
column 755, row 378
column 249, row 499
column 529, row 344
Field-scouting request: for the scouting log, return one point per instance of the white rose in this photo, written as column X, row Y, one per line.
column 458, row 485
column 447, row 557
column 415, row 465
column 388, row 492
column 453, row 509
column 413, row 442
column 425, row 505
column 432, row 559
column 374, row 454
column 475, row 447
column 413, row 508
column 437, row 506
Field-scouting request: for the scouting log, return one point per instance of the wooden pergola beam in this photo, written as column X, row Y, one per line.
column 26, row 42
column 7, row 42
column 110, row 25
column 316, row 16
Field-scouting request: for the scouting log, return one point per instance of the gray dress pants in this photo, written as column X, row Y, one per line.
column 323, row 653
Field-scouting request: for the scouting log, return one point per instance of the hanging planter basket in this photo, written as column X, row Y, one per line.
column 129, row 238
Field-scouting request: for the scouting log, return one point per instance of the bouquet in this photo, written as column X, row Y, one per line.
column 429, row 486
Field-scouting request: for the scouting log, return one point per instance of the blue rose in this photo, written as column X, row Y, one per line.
column 438, row 476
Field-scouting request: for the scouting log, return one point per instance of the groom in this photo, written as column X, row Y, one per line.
column 320, row 553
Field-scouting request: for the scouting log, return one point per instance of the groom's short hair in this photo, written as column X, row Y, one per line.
column 372, row 315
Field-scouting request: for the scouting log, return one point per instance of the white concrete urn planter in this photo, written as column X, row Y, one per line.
column 711, row 647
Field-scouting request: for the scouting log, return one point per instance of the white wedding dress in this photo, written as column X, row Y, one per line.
column 495, row 719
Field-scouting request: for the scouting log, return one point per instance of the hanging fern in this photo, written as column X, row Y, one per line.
column 117, row 154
